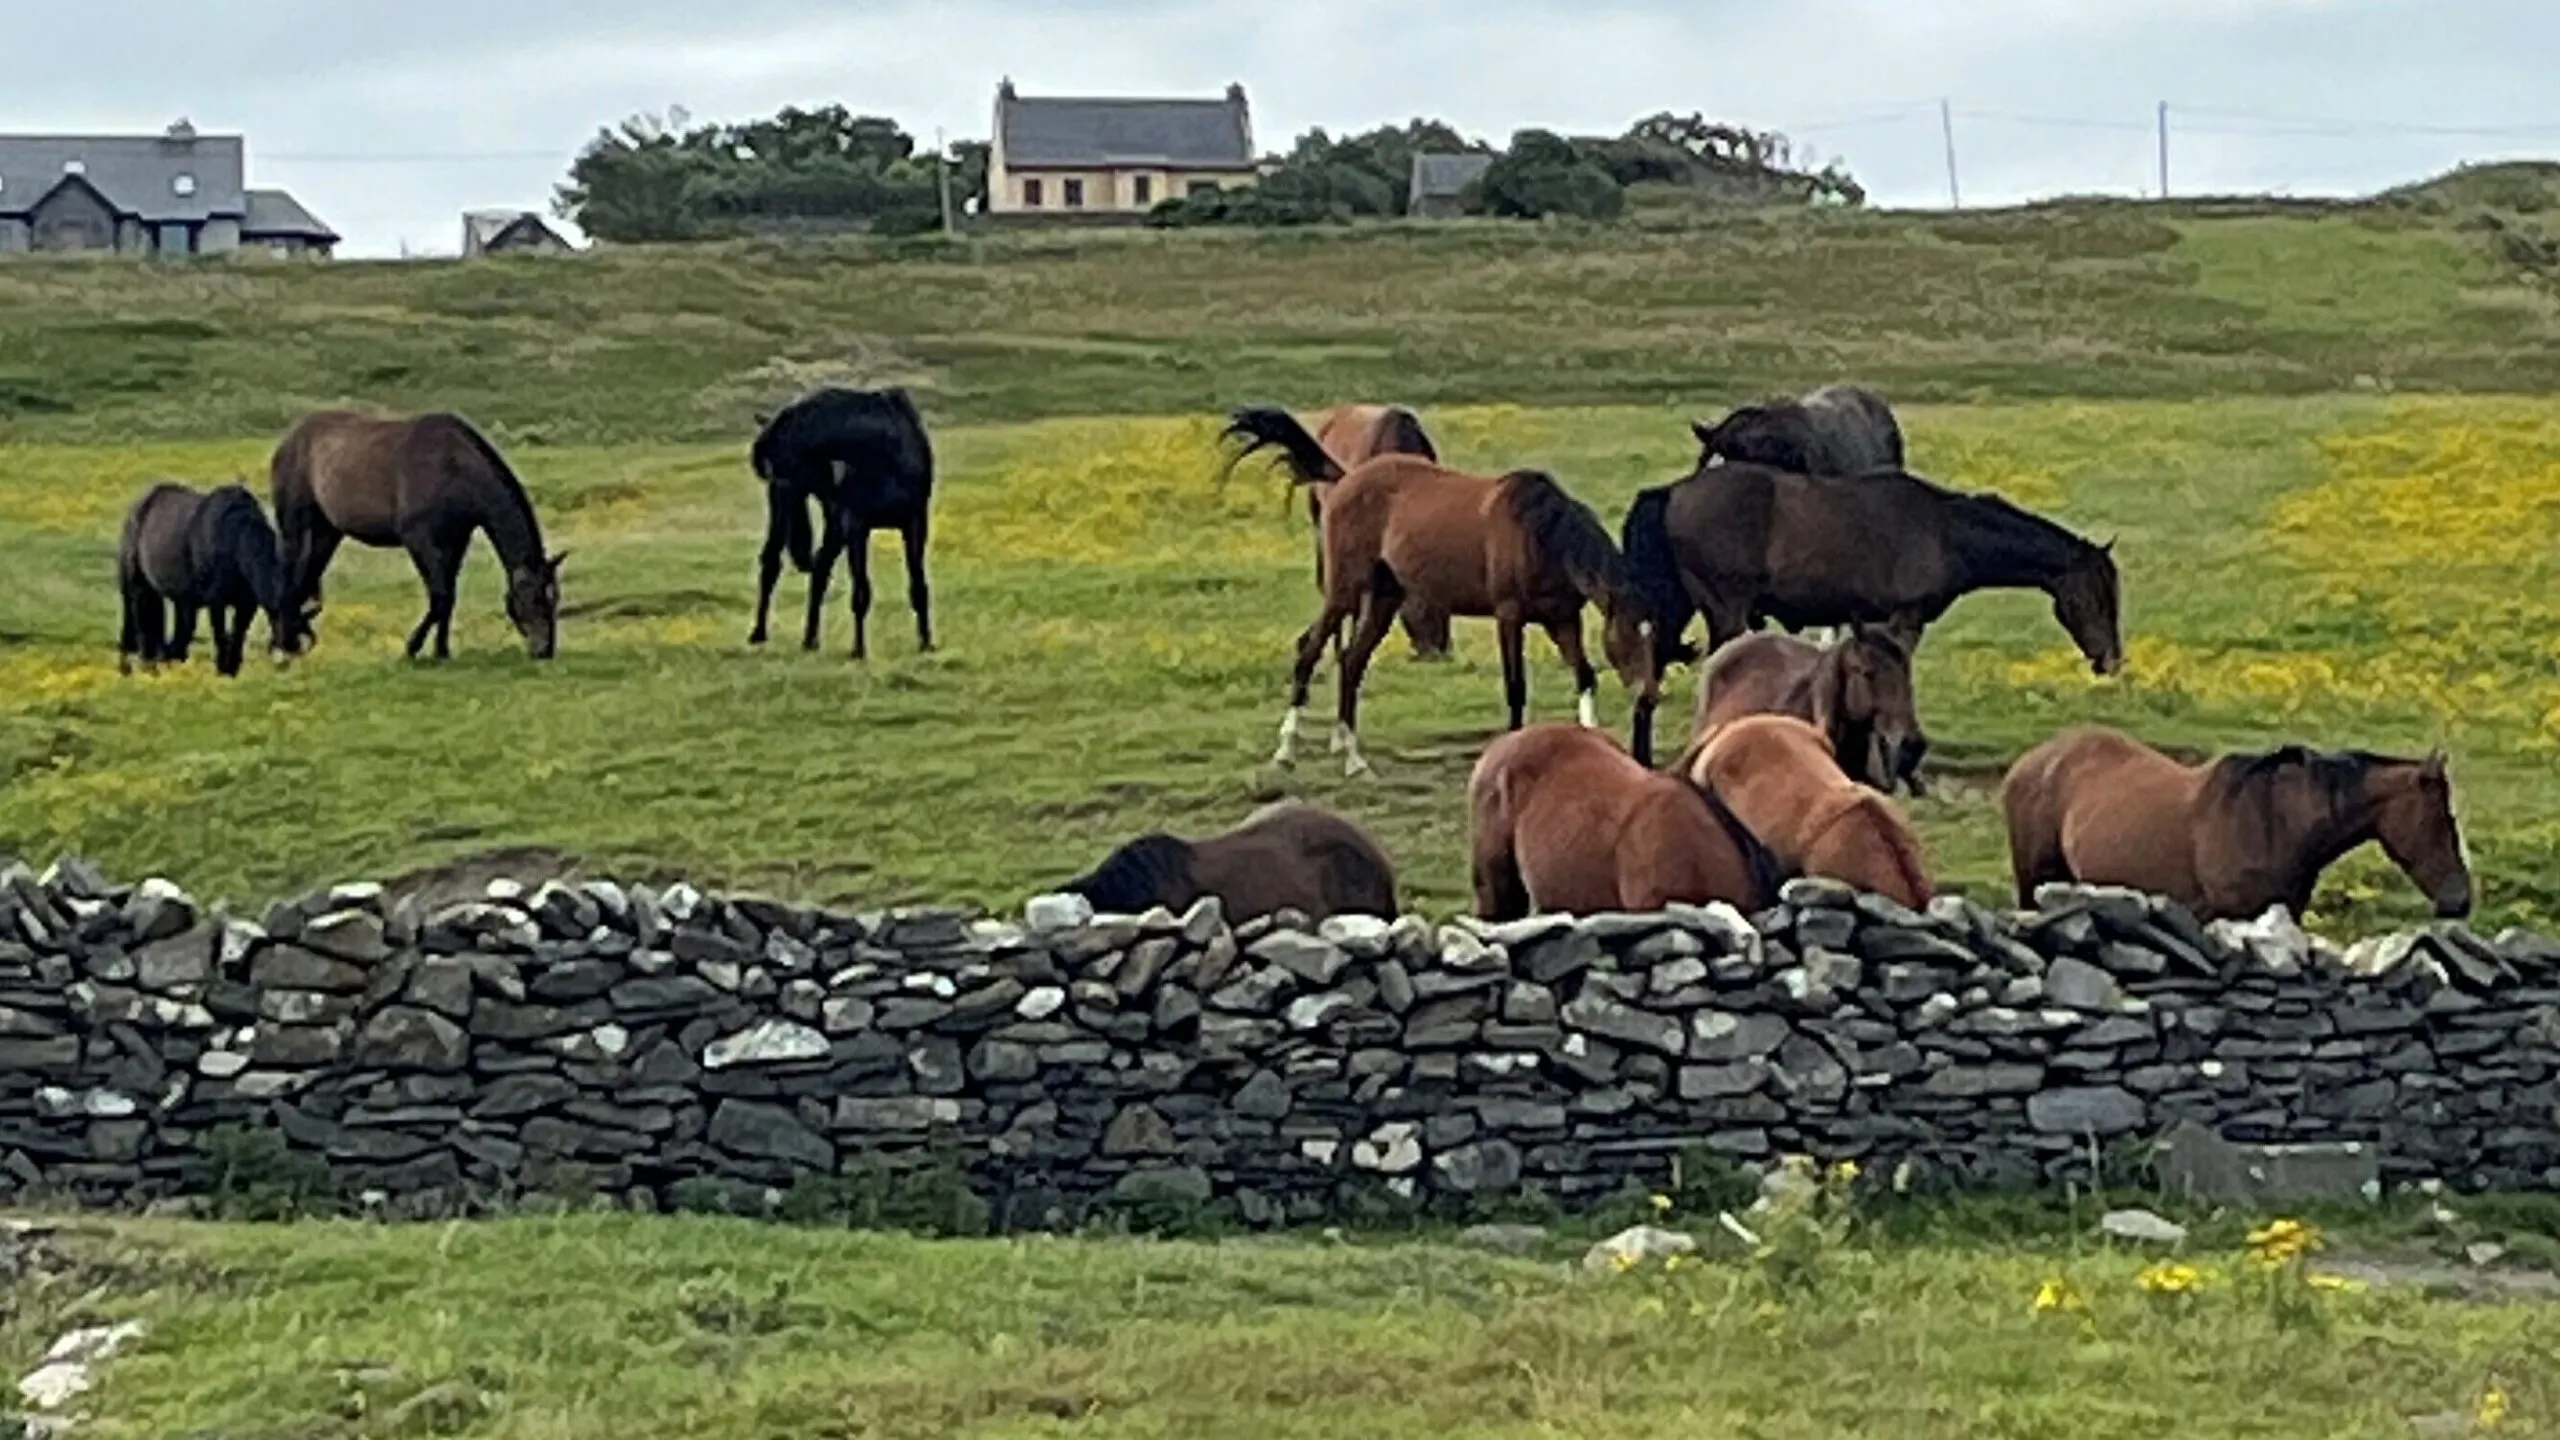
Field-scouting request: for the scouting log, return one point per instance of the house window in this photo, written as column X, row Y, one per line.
column 184, row 185
column 1031, row 195
column 75, row 167
column 1075, row 194
column 1143, row 189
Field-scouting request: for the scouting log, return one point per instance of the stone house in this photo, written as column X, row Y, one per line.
column 1438, row 181
column 1065, row 158
column 509, row 232
column 177, row 193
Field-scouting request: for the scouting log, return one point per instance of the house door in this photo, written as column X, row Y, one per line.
column 74, row 232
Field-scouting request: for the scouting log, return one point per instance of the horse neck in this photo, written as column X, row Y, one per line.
column 252, row 550
column 506, row 512
column 2004, row 548
column 2320, row 837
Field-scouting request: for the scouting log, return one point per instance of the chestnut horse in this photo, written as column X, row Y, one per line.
column 1746, row 543
column 1857, row 692
column 1778, row 775
column 2232, row 836
column 1285, row 855
column 1516, row 548
column 1351, row 434
column 1563, row 820
column 423, row 483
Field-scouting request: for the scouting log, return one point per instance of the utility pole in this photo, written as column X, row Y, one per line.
column 1947, row 128
column 942, row 177
column 2164, row 149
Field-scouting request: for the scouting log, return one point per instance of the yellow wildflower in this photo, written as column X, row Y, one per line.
column 1622, row 1262
column 2332, row 1282
column 2493, row 1409
column 2279, row 1241
column 1661, row 1204
column 1673, row 1262
column 1844, row 1173
column 2055, row 1296
column 2169, row 1278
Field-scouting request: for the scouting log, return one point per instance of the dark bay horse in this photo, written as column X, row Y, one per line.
column 423, row 483
column 863, row 458
column 1563, row 820
column 202, row 550
column 1856, row 691
column 2232, row 836
column 1286, row 855
column 1747, row 543
column 1352, row 434
column 1516, row 548
column 1777, row 775
column 1836, row 430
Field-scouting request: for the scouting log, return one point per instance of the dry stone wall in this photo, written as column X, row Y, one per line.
column 635, row 1040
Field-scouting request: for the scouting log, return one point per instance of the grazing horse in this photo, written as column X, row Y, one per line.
column 1746, row 543
column 1856, row 691
column 423, row 483
column 1352, row 434
column 1777, row 774
column 1562, row 819
column 863, row 457
column 1836, row 430
column 1286, row 855
column 1515, row 547
column 202, row 550
column 2232, row 836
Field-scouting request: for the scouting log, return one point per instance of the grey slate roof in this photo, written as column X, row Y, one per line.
column 1179, row 134
column 1443, row 176
column 138, row 175
column 275, row 213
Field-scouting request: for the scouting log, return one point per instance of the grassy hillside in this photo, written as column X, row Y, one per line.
column 2110, row 301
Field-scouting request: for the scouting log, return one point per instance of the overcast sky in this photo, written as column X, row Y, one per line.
column 389, row 120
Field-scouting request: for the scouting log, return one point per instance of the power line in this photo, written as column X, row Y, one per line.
column 445, row 158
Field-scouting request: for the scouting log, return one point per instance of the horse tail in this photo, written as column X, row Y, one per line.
column 1645, row 541
column 1268, row 427
column 1767, row 874
column 1404, row 435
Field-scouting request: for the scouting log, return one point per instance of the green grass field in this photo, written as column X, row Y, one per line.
column 2322, row 442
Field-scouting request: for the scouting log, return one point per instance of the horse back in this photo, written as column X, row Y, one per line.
column 2115, row 810
column 152, row 546
column 1757, row 674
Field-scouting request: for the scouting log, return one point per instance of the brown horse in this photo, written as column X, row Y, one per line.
column 1857, row 692
column 1778, row 775
column 422, row 483
column 1286, row 855
column 1516, row 548
column 1563, row 820
column 1352, row 434
column 2232, row 836
column 201, row 550
column 1744, row 543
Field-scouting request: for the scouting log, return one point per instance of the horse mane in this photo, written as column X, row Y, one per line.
column 1569, row 535
column 1404, row 435
column 1767, row 875
column 1645, row 541
column 1131, row 878
column 2338, row 775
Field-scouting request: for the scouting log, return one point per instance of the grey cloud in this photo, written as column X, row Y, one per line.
column 520, row 86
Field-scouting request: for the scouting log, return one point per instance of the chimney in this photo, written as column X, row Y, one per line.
column 1004, row 88
column 182, row 132
column 1235, row 93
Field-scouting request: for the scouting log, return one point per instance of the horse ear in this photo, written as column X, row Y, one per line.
column 2432, row 768
column 1705, row 432
column 763, row 418
column 553, row 564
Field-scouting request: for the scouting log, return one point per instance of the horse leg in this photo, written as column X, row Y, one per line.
column 307, row 555
column 1376, row 619
column 919, row 595
column 857, row 559
column 1508, row 633
column 182, row 633
column 230, row 637
column 1586, row 681
column 438, row 566
column 1327, row 627
column 822, row 569
column 777, row 533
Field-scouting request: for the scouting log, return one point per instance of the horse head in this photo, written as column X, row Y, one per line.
column 533, row 603
column 2413, row 818
column 1867, row 694
column 1628, row 639
column 1778, row 436
column 2085, row 599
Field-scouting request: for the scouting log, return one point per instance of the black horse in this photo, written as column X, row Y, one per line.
column 1835, row 430
column 863, row 458
column 202, row 550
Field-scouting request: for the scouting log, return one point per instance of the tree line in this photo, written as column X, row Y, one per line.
column 663, row 179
